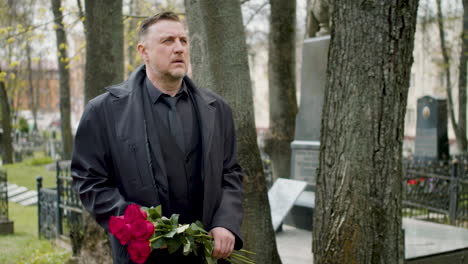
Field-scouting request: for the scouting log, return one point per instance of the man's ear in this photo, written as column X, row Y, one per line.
column 142, row 51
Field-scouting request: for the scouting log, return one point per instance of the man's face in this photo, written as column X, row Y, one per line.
column 165, row 50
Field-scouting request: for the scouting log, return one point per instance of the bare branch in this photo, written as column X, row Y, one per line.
column 256, row 12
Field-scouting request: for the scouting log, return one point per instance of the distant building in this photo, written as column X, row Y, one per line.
column 428, row 72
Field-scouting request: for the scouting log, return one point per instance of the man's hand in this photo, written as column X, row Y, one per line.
column 223, row 242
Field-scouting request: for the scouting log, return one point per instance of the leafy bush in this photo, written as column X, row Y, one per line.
column 36, row 161
column 23, row 125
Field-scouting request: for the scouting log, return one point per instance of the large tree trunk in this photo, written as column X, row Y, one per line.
column 104, row 66
column 461, row 140
column 62, row 58
column 282, row 85
column 358, row 198
column 104, row 48
column 219, row 59
column 7, row 141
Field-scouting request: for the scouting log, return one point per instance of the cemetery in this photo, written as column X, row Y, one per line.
column 405, row 108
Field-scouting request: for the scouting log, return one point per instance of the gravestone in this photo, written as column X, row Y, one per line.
column 431, row 129
column 282, row 196
column 306, row 145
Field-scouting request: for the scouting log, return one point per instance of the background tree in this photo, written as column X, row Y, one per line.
column 7, row 141
column 219, row 61
column 282, row 85
column 104, row 66
column 104, row 48
column 458, row 127
column 358, row 199
column 63, row 60
column 31, row 84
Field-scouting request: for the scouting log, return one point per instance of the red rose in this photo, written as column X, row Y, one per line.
column 119, row 229
column 133, row 212
column 139, row 250
column 412, row 182
column 141, row 230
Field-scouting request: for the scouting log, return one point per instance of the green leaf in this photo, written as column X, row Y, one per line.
column 196, row 227
column 175, row 219
column 187, row 247
column 181, row 229
column 159, row 243
column 171, row 234
column 154, row 213
column 173, row 245
column 200, row 224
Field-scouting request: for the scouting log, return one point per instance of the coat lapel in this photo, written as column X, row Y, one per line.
column 207, row 115
column 130, row 125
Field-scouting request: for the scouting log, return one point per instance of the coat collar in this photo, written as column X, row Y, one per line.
column 130, row 125
column 137, row 77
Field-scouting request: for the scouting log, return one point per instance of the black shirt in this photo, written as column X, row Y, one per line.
column 184, row 108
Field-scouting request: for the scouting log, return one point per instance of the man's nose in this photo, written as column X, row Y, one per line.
column 179, row 47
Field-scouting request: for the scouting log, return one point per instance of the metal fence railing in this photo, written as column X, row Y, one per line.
column 437, row 190
column 3, row 196
column 60, row 210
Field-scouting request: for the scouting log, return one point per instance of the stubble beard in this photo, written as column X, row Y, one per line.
column 176, row 75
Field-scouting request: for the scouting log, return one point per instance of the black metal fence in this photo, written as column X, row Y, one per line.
column 3, row 195
column 437, row 190
column 60, row 210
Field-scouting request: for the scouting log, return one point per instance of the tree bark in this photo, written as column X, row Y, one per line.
column 104, row 66
column 62, row 58
column 462, row 71
column 357, row 216
column 104, row 46
column 282, row 86
column 7, row 141
column 219, row 60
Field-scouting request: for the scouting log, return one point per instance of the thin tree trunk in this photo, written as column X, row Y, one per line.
column 7, row 141
column 131, row 27
column 282, row 85
column 446, row 66
column 62, row 58
column 357, row 217
column 32, row 91
column 104, row 48
column 219, row 59
column 462, row 141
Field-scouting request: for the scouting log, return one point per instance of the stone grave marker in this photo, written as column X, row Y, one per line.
column 282, row 196
column 431, row 129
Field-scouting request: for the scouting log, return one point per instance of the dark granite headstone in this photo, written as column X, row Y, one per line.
column 431, row 129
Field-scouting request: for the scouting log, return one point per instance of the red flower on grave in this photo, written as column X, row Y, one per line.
column 412, row 182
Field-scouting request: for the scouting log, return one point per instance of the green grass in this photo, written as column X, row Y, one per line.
column 24, row 246
column 24, row 173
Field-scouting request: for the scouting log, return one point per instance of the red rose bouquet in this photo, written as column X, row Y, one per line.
column 144, row 229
